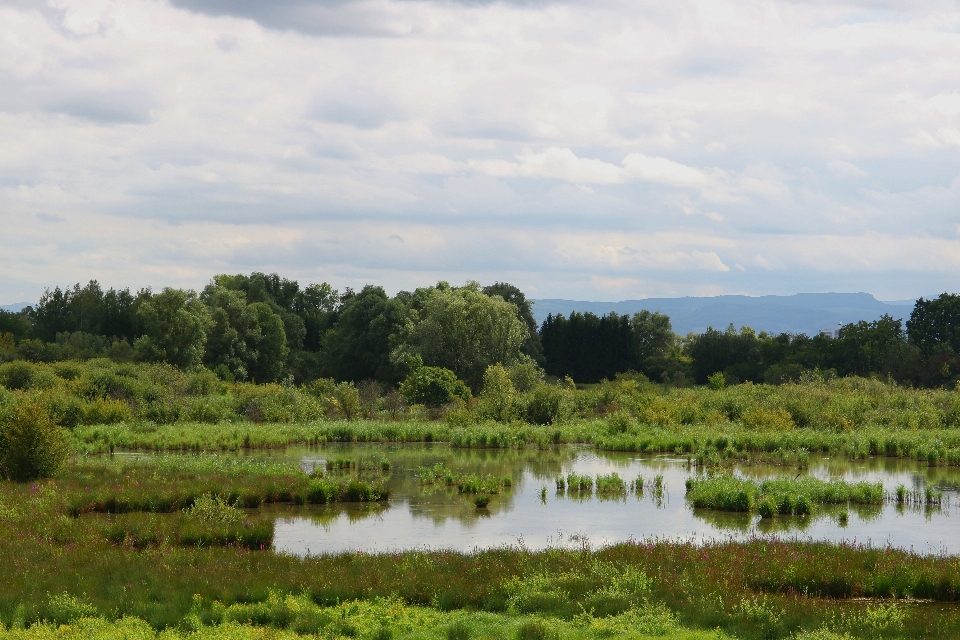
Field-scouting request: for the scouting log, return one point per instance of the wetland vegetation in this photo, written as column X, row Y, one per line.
column 150, row 475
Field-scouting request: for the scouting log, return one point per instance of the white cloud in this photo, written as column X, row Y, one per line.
column 844, row 169
column 664, row 171
column 643, row 144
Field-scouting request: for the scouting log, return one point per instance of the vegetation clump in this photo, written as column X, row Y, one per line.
column 31, row 445
column 781, row 496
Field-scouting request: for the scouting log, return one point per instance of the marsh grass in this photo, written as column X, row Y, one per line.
column 579, row 483
column 782, row 496
column 611, row 484
column 113, row 406
column 666, row 585
column 175, row 483
column 472, row 483
column 930, row 496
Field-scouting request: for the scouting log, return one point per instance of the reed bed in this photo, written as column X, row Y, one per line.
column 175, row 483
column 472, row 483
column 611, row 484
column 782, row 496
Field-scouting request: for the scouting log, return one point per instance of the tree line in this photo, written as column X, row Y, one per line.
column 924, row 351
column 265, row 328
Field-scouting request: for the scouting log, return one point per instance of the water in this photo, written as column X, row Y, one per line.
column 435, row 517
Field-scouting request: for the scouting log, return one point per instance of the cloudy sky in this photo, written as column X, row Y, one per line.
column 598, row 150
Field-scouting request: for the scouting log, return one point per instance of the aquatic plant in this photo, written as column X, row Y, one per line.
column 579, row 483
column 611, row 483
column 781, row 496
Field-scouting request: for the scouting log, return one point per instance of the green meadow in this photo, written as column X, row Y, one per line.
column 174, row 538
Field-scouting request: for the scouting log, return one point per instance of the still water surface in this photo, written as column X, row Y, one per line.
column 436, row 517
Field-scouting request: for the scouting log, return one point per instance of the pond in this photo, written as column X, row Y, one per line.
column 532, row 513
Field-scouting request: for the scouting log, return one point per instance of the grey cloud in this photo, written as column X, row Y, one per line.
column 313, row 17
column 712, row 61
column 42, row 94
column 227, row 43
column 324, row 17
column 362, row 107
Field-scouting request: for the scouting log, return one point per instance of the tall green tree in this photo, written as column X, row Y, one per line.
column 934, row 325
column 270, row 350
column 358, row 347
column 466, row 331
column 229, row 332
column 247, row 339
column 532, row 347
column 89, row 309
column 175, row 325
column 871, row 347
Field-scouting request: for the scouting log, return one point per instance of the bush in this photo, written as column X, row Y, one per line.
column 106, row 412
column 31, row 445
column 209, row 508
column 17, row 375
column 496, row 399
column 433, row 387
column 546, row 405
column 763, row 419
column 346, row 399
column 525, row 375
column 64, row 608
column 717, row 381
column 275, row 403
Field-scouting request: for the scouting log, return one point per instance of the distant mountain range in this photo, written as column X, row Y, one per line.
column 15, row 307
column 807, row 313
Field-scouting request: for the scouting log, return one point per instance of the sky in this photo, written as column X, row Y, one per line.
column 600, row 150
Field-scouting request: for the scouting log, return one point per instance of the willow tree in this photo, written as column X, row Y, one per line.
column 464, row 330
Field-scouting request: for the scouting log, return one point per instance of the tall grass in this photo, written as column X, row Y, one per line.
column 782, row 496
column 464, row 482
column 160, row 408
column 172, row 483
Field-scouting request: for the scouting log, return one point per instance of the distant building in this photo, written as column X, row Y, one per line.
column 831, row 333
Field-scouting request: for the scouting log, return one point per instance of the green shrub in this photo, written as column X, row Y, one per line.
column 203, row 382
column 433, row 387
column 717, row 381
column 275, row 403
column 546, row 405
column 65, row 409
column 209, row 508
column 101, row 411
column 17, row 375
column 210, row 409
column 498, row 395
column 535, row 630
column 31, row 445
column 619, row 422
column 525, row 376
column 64, row 608
column 346, row 400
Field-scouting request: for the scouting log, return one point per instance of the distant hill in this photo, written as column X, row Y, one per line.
column 807, row 313
column 19, row 306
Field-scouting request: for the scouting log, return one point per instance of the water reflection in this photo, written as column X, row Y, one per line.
column 534, row 513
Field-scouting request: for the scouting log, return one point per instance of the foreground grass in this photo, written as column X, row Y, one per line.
column 380, row 619
column 59, row 568
column 207, row 569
